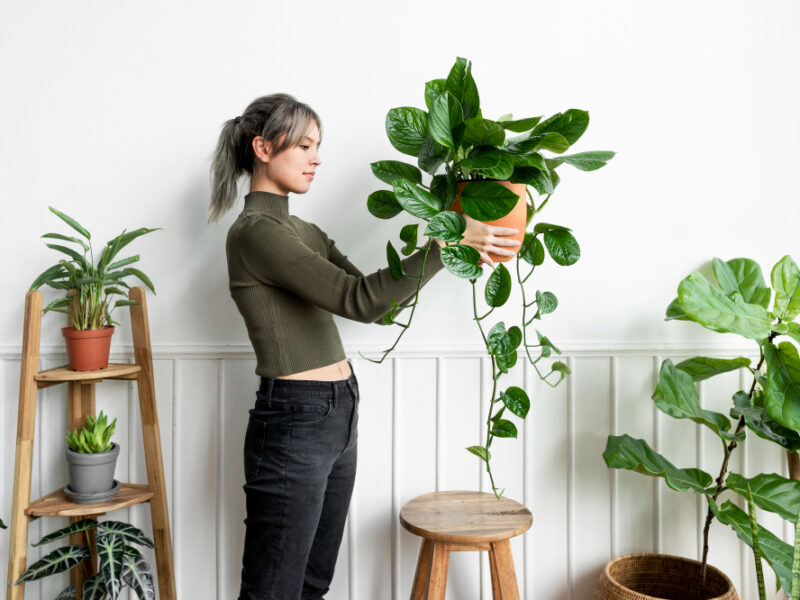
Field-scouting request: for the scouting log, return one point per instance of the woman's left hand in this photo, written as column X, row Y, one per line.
column 488, row 239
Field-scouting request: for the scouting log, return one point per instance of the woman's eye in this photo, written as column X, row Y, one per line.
column 305, row 146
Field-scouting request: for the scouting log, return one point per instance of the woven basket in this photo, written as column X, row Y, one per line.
column 660, row 577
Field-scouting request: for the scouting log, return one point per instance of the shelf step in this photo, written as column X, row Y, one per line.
column 56, row 504
column 113, row 371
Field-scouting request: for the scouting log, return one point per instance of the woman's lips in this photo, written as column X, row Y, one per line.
column 310, row 176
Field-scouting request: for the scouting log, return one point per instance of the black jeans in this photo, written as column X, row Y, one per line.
column 300, row 464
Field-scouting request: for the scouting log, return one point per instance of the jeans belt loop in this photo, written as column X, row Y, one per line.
column 270, row 384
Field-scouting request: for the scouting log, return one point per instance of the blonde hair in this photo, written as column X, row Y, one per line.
column 272, row 117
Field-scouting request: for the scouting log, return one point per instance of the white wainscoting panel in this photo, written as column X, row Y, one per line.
column 418, row 412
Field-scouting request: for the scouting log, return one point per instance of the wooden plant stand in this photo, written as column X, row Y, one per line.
column 459, row 521
column 81, row 399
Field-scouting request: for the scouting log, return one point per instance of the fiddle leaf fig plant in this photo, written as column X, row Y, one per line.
column 462, row 155
column 736, row 301
column 121, row 563
column 90, row 287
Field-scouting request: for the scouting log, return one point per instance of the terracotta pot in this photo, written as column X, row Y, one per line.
column 516, row 218
column 660, row 577
column 87, row 350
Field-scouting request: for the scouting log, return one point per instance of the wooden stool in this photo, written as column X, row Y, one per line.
column 461, row 520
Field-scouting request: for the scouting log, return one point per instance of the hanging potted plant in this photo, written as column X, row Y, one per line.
column 476, row 170
column 769, row 407
column 90, row 288
column 91, row 461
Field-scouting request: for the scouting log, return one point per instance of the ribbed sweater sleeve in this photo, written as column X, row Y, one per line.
column 276, row 255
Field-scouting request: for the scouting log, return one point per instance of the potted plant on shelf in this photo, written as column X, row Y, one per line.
column 90, row 289
column 121, row 564
column 91, row 461
column 476, row 170
column 770, row 407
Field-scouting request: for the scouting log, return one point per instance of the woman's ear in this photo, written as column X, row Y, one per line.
column 262, row 149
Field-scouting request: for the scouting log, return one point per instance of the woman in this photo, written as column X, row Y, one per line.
column 288, row 279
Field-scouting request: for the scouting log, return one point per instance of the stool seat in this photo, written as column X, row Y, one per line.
column 465, row 517
column 461, row 521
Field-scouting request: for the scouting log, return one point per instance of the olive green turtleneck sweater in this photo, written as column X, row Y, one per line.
column 288, row 279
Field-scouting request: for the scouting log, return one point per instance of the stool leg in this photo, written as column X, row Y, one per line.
column 504, row 580
column 440, row 560
column 420, row 589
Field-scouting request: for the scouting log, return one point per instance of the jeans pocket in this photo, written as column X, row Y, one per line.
column 254, row 439
column 309, row 414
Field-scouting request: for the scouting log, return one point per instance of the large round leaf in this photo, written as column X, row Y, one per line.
column 383, row 204
column 498, row 286
column 483, row 132
column 503, row 169
column 503, row 428
column 532, row 251
column 434, row 88
column 407, row 128
column 786, row 281
column 517, row 401
column 445, row 117
column 562, row 246
column 462, row 261
column 487, row 200
column 432, row 155
column 482, row 157
column 389, row 170
column 571, row 125
column 416, row 200
column 447, row 226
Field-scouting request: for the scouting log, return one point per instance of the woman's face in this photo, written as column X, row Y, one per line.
column 293, row 169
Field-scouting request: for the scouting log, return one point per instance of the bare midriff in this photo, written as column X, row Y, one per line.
column 335, row 372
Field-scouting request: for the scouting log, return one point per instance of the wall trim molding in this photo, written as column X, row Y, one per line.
column 417, row 350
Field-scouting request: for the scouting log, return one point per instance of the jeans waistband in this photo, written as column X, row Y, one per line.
column 268, row 384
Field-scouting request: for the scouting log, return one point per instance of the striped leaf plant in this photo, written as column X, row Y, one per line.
column 90, row 286
column 452, row 141
column 735, row 300
column 121, row 563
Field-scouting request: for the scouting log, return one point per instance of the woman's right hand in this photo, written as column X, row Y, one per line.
column 488, row 239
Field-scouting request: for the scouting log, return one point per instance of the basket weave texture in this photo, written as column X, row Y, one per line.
column 660, row 577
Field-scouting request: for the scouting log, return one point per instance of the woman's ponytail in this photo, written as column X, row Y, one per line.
column 225, row 171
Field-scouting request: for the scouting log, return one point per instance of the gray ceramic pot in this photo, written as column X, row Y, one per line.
column 92, row 475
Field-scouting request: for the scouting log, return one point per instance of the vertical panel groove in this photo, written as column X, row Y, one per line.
column 657, row 500
column 175, row 511
column 699, row 454
column 527, row 486
column 571, row 480
column 220, row 521
column 439, row 423
column 613, row 472
column 395, row 480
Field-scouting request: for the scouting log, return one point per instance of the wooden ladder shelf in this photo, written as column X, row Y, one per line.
column 81, row 399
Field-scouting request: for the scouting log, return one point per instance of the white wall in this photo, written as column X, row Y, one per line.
column 110, row 111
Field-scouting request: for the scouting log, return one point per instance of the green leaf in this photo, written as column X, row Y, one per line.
column 446, row 115
column 137, row 575
column 532, row 250
column 502, row 170
column 68, row 593
column 123, row 262
column 625, row 452
column 67, row 238
column 725, row 276
column 571, row 124
column 786, row 281
column 408, row 234
column 516, row 400
column 487, row 200
column 389, row 170
column 60, row 559
column 506, row 361
column 462, row 261
column 94, row 587
column 71, row 222
column 708, row 306
column 118, row 243
column 771, row 492
column 407, row 128
column 461, row 84
column 560, row 367
column 483, row 132
column 482, row 157
column 756, row 418
column 444, row 186
column 782, row 392
column 127, row 532
column 395, row 266
column 562, row 246
column 110, row 550
column 432, row 155
column 481, row 453
column 447, row 226
column 76, row 527
column 537, row 178
column 504, row 429
column 702, row 367
column 501, row 342
column 416, row 200
column 751, row 513
column 139, row 275
column 548, row 346
column 498, row 286
column 520, row 124
column 750, row 281
column 434, row 88
column 676, row 395
column 774, row 550
column 389, row 317
column 51, row 274
column 586, row 161
column 383, row 204
column 675, row 312
column 546, row 301
column 74, row 255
